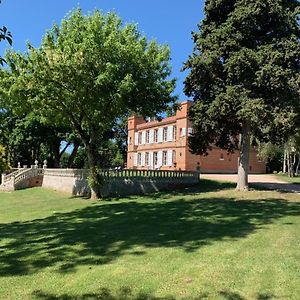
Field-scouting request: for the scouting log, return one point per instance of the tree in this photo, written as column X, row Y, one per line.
column 3, row 163
column 291, row 161
column 5, row 35
column 244, row 76
column 89, row 72
column 272, row 155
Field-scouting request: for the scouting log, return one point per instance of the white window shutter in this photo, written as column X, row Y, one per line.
column 151, row 136
column 151, row 160
column 160, row 135
column 190, row 131
column 143, row 159
column 136, row 138
column 183, row 132
column 159, row 158
column 170, row 158
column 170, row 134
column 135, row 159
column 143, row 137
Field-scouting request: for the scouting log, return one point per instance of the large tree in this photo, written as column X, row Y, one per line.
column 244, row 76
column 89, row 72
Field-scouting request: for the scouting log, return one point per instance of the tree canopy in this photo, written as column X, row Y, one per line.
column 89, row 72
column 244, row 76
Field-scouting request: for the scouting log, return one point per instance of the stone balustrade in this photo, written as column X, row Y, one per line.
column 115, row 182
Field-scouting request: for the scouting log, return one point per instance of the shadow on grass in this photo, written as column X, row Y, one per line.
column 204, row 186
column 103, row 232
column 127, row 294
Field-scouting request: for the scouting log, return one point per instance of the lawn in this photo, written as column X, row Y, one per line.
column 284, row 177
column 206, row 242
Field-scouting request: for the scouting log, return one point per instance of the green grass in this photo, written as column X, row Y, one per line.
column 206, row 242
column 284, row 177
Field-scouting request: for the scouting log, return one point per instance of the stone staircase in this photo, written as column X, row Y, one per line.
column 21, row 178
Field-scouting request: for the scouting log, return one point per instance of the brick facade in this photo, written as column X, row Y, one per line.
column 164, row 145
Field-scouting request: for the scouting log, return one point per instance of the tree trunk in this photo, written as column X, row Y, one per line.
column 242, row 181
column 284, row 160
column 93, row 161
column 297, row 167
column 73, row 154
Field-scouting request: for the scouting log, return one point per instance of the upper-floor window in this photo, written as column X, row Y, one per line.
column 140, row 138
column 147, row 137
column 165, row 134
column 155, row 138
column 164, row 158
column 221, row 156
column 182, row 131
column 174, row 133
column 130, row 140
column 147, row 158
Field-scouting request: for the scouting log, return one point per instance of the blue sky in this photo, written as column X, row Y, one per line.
column 168, row 21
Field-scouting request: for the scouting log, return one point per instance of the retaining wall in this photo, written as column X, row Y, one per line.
column 118, row 183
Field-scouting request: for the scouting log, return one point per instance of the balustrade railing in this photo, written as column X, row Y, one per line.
column 126, row 173
column 28, row 173
column 9, row 176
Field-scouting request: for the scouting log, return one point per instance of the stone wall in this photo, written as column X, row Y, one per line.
column 118, row 183
column 70, row 181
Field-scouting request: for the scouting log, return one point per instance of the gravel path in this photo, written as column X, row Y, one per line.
column 265, row 180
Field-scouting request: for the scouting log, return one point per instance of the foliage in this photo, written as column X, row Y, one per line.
column 244, row 74
column 272, row 155
column 3, row 163
column 292, row 154
column 26, row 138
column 89, row 72
column 5, row 34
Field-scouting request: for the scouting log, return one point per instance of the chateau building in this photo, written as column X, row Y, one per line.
column 163, row 145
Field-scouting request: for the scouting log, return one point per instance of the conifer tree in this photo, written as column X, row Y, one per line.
column 244, row 76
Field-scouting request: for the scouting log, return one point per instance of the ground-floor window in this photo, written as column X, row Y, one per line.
column 164, row 158
column 155, row 158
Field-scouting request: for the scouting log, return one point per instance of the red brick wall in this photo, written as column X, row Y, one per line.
column 218, row 161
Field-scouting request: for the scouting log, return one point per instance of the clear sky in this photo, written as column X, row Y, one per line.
column 168, row 21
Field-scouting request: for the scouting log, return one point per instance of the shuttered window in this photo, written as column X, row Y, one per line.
column 155, row 135
column 164, row 158
column 160, row 135
column 170, row 134
column 151, row 136
column 135, row 159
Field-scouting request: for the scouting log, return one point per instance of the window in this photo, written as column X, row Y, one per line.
column 174, row 133
column 147, row 137
column 182, row 131
column 139, row 159
column 130, row 141
column 164, row 158
column 147, row 158
column 140, row 138
column 155, row 160
column 174, row 157
column 165, row 134
column 222, row 156
column 155, row 135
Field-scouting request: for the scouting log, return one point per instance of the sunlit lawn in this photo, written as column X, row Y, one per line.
column 295, row 180
column 208, row 242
